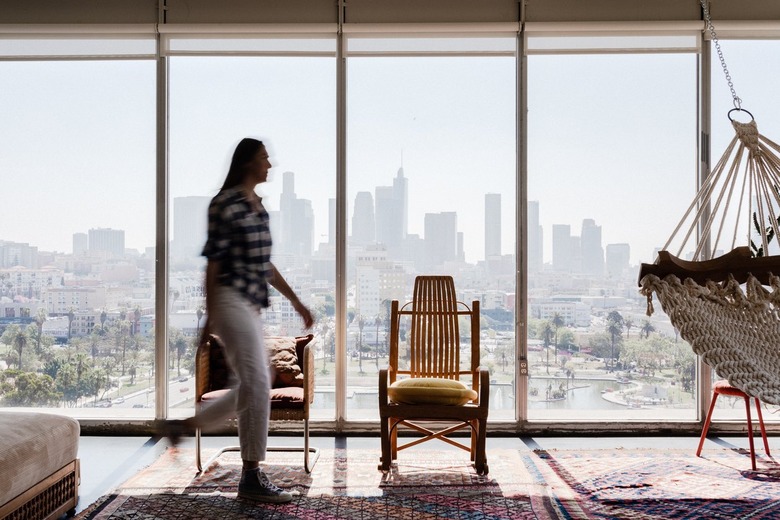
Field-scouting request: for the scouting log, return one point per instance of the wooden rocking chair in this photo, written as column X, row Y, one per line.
column 434, row 361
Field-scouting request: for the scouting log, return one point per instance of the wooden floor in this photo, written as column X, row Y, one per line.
column 107, row 462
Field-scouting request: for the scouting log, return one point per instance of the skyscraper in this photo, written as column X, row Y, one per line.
column 563, row 248
column 190, row 223
column 363, row 226
column 296, row 226
column 107, row 240
column 591, row 248
column 618, row 256
column 492, row 225
column 391, row 211
column 441, row 238
column 80, row 243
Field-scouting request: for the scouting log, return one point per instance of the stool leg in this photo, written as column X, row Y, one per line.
column 761, row 425
column 707, row 424
column 750, row 434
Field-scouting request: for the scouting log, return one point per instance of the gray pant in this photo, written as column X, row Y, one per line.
column 240, row 327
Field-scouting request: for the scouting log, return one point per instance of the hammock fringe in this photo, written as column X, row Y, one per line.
column 736, row 330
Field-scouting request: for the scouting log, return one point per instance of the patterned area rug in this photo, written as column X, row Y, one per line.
column 344, row 484
column 542, row 485
column 654, row 484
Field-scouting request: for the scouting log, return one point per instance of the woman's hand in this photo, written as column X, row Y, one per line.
column 305, row 313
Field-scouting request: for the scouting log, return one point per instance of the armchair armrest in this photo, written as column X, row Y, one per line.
column 308, row 370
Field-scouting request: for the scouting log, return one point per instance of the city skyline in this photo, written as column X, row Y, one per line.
column 587, row 250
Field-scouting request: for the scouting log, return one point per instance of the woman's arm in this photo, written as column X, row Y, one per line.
column 280, row 284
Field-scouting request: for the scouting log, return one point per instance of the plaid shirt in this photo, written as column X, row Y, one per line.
column 240, row 240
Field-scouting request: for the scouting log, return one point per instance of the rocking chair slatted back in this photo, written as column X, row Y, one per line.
column 434, row 331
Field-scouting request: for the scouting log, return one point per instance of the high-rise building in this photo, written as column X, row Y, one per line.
column 363, row 226
column 535, row 241
column 107, row 240
column 441, row 238
column 591, row 248
column 80, row 243
column 190, row 226
column 492, row 225
column 296, row 226
column 618, row 256
column 15, row 254
column 563, row 248
column 391, row 213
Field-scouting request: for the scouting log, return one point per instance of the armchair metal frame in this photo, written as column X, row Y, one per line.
column 204, row 383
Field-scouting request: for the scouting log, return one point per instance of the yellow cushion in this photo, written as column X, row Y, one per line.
column 430, row 390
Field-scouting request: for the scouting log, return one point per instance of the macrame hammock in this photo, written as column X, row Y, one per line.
column 728, row 308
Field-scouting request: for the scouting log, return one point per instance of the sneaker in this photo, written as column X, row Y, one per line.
column 255, row 485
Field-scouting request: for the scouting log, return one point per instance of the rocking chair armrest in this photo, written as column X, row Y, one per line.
column 383, row 383
column 484, row 387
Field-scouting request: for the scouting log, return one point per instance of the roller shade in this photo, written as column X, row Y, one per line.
column 614, row 37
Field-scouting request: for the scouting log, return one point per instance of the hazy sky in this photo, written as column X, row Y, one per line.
column 611, row 137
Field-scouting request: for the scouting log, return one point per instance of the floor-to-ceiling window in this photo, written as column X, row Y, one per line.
column 77, row 228
column 252, row 87
column 431, row 175
column 752, row 80
column 612, row 161
column 431, row 147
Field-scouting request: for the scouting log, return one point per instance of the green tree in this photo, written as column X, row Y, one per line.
column 647, row 329
column 547, row 334
column 71, row 315
column 566, row 339
column 557, row 322
column 361, row 324
column 39, row 320
column 181, row 348
column 20, row 342
column 28, row 389
column 615, row 330
column 628, row 323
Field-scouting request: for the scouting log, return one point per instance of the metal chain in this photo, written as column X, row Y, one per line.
column 708, row 19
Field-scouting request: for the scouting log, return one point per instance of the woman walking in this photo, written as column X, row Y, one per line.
column 238, row 272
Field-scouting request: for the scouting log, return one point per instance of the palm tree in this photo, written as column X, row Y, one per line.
column 181, row 348
column 39, row 320
column 647, row 328
column 136, row 321
column 361, row 324
column 615, row 330
column 123, row 334
column 377, row 322
column 557, row 322
column 199, row 316
column 20, row 341
column 71, row 315
column 547, row 332
column 628, row 323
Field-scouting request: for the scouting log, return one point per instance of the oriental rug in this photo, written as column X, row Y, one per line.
column 655, row 484
column 345, row 483
column 647, row 484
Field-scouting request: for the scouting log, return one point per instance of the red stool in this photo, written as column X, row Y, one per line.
column 724, row 388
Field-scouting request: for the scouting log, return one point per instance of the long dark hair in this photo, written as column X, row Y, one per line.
column 243, row 155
